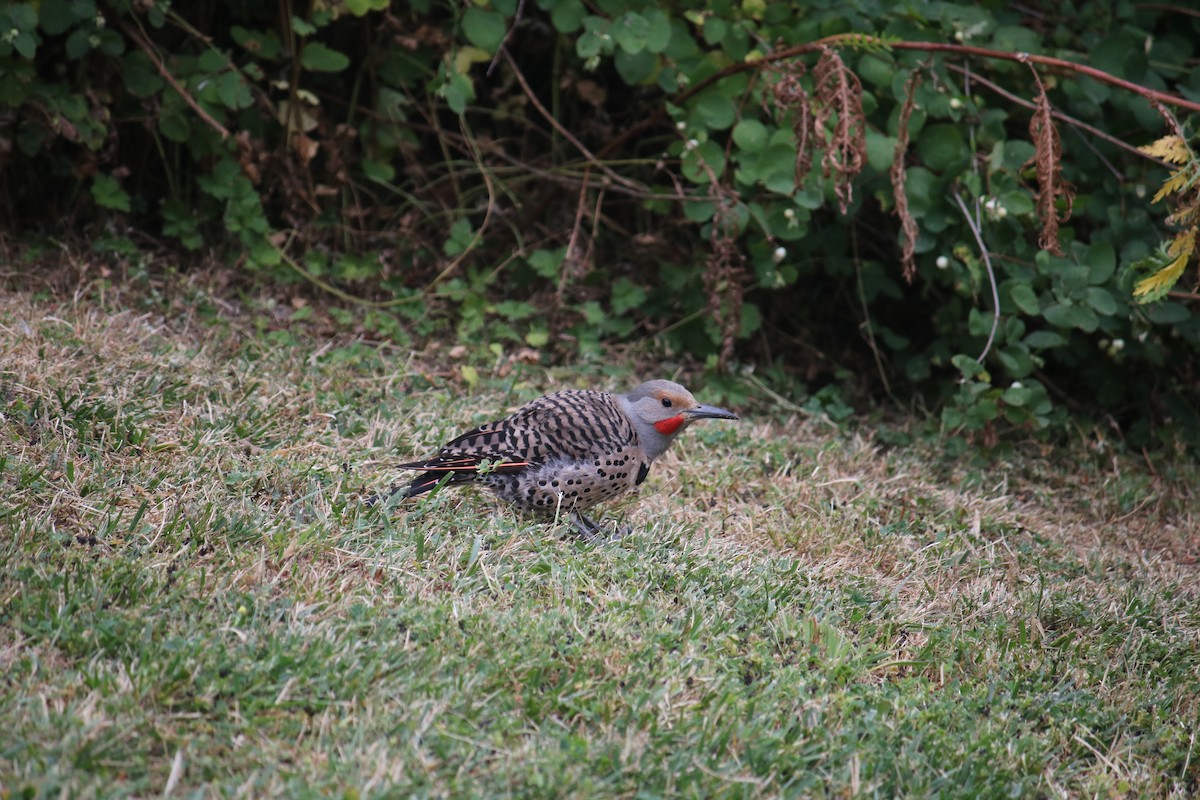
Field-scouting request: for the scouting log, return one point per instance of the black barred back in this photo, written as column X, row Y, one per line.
column 575, row 425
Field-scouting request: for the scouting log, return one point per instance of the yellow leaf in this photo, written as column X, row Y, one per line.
column 1185, row 215
column 1176, row 181
column 470, row 375
column 1183, row 244
column 1161, row 280
column 467, row 56
column 1168, row 148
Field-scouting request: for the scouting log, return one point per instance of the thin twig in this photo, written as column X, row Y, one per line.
column 507, row 35
column 141, row 42
column 973, row 224
column 487, row 214
column 566, row 134
column 862, row 298
column 570, row 256
column 1058, row 115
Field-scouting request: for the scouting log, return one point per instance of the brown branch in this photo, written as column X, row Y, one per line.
column 141, row 42
column 576, row 264
column 854, row 38
column 1191, row 12
column 1058, row 115
column 933, row 47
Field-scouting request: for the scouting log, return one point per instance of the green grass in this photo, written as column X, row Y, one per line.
column 194, row 597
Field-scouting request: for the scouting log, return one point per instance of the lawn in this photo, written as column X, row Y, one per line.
column 196, row 600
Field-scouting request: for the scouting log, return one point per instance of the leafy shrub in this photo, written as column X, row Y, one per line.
column 950, row 205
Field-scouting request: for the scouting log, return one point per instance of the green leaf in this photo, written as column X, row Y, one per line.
column 1102, row 301
column 1025, row 298
column 629, row 32
column 1062, row 315
column 567, row 15
column 713, row 110
column 360, row 8
column 1018, row 202
column 941, row 147
column 750, row 134
column 174, row 126
column 141, row 78
column 1016, row 39
column 1168, row 313
column 537, row 338
column 1016, row 360
column 695, row 160
column 263, row 253
column 78, row 45
column 1074, row 279
column 56, row 16
column 458, row 90
column 212, row 60
column 109, row 194
column 979, row 323
column 110, row 43
column 461, row 237
column 233, row 91
column 751, row 319
column 881, row 150
column 969, row 367
column 316, row 57
column 658, row 30
column 635, row 67
column 484, row 28
column 715, row 29
column 25, row 44
column 378, row 171
column 264, row 44
column 515, row 310
column 626, row 295
column 302, row 27
column 1101, row 260
column 699, row 210
column 877, row 69
column 1017, row 395
column 1044, row 340
column 547, row 262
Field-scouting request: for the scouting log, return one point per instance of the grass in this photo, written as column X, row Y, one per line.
column 195, row 600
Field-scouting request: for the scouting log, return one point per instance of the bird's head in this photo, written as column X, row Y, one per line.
column 661, row 409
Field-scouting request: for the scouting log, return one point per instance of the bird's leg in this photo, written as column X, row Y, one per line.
column 592, row 531
column 588, row 529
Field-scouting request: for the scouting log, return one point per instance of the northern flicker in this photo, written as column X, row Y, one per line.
column 567, row 451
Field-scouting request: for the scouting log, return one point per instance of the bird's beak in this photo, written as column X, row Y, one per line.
column 708, row 412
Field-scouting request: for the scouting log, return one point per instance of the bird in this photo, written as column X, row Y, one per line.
column 568, row 451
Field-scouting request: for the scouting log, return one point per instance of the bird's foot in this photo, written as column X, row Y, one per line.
column 592, row 531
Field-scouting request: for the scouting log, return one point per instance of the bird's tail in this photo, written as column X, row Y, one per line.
column 445, row 470
column 425, row 482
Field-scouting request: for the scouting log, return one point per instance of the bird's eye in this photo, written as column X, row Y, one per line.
column 666, row 402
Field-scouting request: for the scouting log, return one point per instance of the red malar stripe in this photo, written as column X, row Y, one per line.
column 668, row 426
